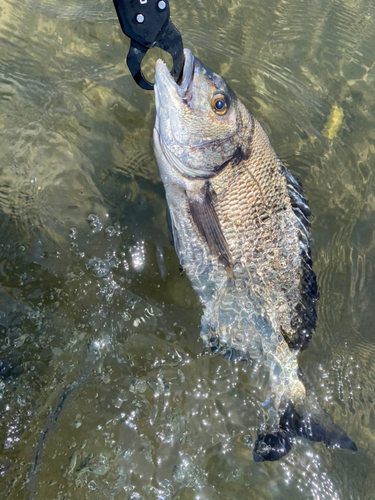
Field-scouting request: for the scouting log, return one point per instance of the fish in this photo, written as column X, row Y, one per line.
column 240, row 226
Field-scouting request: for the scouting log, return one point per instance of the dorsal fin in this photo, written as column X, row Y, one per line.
column 205, row 218
column 304, row 323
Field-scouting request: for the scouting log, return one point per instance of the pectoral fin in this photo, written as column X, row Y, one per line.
column 173, row 235
column 170, row 227
column 205, row 218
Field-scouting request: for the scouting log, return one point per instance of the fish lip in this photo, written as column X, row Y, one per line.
column 164, row 81
column 187, row 73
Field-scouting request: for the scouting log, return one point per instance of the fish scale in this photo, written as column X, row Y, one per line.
column 247, row 236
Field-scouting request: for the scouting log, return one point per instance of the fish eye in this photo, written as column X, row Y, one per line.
column 219, row 104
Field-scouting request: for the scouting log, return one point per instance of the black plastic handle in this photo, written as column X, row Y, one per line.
column 148, row 25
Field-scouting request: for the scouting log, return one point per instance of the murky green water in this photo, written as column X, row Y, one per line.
column 105, row 393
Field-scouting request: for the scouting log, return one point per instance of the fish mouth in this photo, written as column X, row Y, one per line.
column 165, row 84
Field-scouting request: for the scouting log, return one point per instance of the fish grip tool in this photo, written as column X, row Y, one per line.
column 147, row 23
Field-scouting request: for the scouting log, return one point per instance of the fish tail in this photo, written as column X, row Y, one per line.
column 303, row 419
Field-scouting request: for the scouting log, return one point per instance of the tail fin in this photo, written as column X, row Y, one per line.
column 306, row 419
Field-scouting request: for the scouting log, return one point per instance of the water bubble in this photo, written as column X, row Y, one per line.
column 125, row 316
column 110, row 230
column 239, row 338
column 246, row 440
column 113, row 261
column 94, row 222
column 264, row 448
column 138, row 386
column 92, row 485
column 73, row 233
column 97, row 346
column 100, row 268
column 22, row 248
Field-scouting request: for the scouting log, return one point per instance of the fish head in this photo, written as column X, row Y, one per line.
column 198, row 120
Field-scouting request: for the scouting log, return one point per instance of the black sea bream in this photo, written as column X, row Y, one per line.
column 241, row 231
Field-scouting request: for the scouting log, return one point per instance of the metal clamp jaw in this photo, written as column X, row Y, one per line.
column 147, row 24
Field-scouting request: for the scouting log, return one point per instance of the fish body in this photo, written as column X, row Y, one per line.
column 241, row 231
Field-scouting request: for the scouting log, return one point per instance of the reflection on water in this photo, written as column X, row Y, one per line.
column 104, row 389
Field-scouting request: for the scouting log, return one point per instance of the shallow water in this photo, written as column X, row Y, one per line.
column 104, row 389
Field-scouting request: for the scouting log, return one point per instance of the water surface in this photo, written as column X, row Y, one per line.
column 104, row 389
